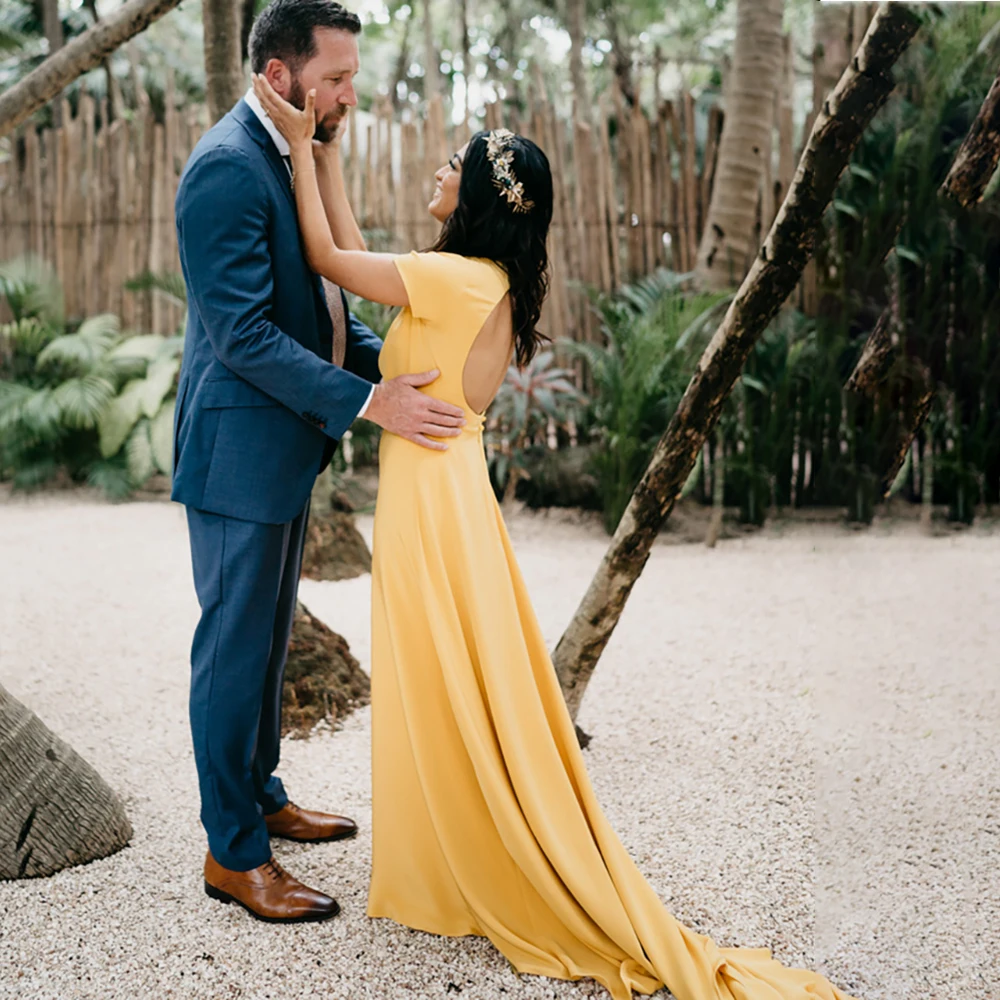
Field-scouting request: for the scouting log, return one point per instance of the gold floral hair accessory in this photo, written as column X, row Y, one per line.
column 501, row 157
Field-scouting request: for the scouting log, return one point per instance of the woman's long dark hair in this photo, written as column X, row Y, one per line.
column 485, row 224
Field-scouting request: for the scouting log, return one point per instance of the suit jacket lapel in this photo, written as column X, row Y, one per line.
column 327, row 295
column 243, row 113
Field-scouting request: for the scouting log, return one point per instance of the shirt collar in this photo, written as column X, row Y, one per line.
column 280, row 142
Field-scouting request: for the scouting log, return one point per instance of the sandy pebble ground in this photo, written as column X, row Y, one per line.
column 795, row 734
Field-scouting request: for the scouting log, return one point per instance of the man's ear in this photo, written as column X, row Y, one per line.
column 278, row 76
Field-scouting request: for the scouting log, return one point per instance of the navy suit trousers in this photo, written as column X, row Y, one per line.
column 246, row 576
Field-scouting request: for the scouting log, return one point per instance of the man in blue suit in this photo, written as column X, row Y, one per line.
column 275, row 370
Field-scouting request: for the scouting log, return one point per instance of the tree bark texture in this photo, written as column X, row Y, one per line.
column 223, row 27
column 52, row 24
column 81, row 54
column 746, row 144
column 55, row 809
column 977, row 158
column 777, row 268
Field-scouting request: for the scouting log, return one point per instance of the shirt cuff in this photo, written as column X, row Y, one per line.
column 361, row 412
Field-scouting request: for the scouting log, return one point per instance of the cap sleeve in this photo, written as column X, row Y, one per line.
column 435, row 281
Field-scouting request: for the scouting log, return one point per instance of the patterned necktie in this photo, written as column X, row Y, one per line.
column 335, row 306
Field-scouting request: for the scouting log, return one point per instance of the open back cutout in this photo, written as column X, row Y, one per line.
column 489, row 357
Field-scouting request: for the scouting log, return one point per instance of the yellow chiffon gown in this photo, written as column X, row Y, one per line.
column 484, row 820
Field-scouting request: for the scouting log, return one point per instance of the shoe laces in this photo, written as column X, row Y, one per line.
column 274, row 870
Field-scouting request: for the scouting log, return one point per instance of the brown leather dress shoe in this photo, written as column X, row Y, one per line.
column 294, row 823
column 268, row 893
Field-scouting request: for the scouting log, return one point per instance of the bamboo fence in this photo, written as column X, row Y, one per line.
column 96, row 200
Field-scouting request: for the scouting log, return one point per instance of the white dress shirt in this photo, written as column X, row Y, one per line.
column 281, row 144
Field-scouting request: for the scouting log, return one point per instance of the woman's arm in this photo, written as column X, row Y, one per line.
column 329, row 172
column 373, row 276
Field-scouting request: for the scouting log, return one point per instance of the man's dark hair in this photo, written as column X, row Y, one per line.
column 284, row 30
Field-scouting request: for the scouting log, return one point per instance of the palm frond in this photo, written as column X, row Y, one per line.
column 119, row 417
column 84, row 350
column 169, row 284
column 159, row 381
column 139, row 454
column 111, row 476
column 161, row 437
column 31, row 288
column 81, row 400
column 26, row 336
column 34, row 474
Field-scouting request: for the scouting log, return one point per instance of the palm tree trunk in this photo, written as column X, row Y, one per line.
column 467, row 73
column 83, row 53
column 776, row 270
column 575, row 10
column 223, row 29
column 55, row 809
column 621, row 55
column 831, row 48
column 432, row 77
column 247, row 8
column 52, row 24
column 978, row 156
column 115, row 105
column 402, row 66
column 745, row 146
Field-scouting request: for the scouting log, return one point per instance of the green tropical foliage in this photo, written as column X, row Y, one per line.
column 654, row 331
column 530, row 401
column 87, row 401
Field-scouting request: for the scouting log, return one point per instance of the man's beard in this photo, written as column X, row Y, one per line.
column 326, row 128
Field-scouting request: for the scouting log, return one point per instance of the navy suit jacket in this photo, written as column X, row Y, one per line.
column 259, row 404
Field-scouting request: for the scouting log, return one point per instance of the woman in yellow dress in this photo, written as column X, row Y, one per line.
column 484, row 819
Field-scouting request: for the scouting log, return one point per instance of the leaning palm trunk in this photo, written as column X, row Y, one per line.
column 973, row 166
column 863, row 89
column 55, row 809
column 83, row 53
column 745, row 145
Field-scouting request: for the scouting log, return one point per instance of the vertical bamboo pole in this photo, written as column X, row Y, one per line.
column 157, row 210
column 611, row 196
column 86, row 242
column 650, row 227
column 690, row 189
column 684, row 223
column 32, row 174
column 602, row 235
column 715, row 118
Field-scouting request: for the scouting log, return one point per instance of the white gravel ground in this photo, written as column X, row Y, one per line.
column 795, row 736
